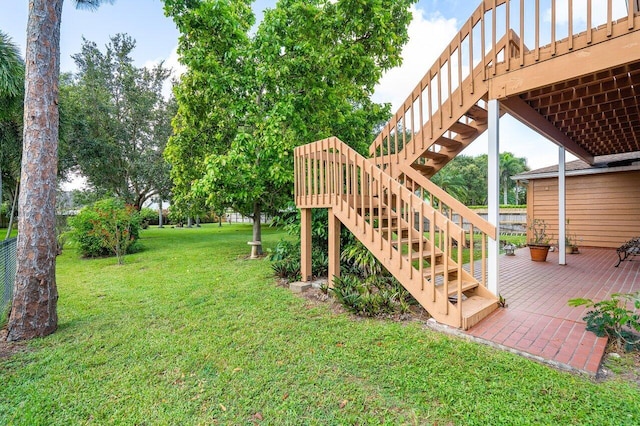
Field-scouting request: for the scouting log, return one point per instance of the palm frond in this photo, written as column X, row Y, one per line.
column 11, row 68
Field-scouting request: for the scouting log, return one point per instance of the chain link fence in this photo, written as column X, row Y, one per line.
column 7, row 271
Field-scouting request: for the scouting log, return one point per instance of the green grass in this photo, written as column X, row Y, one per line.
column 187, row 332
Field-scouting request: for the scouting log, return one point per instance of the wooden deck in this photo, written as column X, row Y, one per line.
column 538, row 320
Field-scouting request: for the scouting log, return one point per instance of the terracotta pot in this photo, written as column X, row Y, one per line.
column 538, row 252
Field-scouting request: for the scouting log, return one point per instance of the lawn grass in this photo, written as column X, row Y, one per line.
column 189, row 332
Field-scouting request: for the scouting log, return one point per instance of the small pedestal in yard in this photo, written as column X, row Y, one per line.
column 254, row 249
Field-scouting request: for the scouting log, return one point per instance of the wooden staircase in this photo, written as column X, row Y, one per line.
column 413, row 227
column 417, row 242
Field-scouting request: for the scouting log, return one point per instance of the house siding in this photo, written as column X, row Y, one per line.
column 603, row 209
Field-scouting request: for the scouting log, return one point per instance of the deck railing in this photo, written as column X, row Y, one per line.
column 540, row 29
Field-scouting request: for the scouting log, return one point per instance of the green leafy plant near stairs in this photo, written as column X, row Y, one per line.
column 612, row 318
column 366, row 288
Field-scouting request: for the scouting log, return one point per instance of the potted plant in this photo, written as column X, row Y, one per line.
column 571, row 242
column 539, row 242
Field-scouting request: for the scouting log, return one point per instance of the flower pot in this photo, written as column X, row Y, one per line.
column 538, row 252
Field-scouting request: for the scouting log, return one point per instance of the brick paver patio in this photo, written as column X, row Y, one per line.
column 538, row 319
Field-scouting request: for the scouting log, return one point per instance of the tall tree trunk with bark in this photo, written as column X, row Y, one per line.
column 257, row 228
column 33, row 312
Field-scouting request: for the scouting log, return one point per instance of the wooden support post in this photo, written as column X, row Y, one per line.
column 305, row 244
column 334, row 247
column 562, row 208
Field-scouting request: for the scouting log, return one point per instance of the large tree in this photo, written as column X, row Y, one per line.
column 35, row 296
column 120, row 121
column 249, row 97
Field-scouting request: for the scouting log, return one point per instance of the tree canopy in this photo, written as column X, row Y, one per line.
column 119, row 121
column 11, row 97
column 250, row 95
column 465, row 178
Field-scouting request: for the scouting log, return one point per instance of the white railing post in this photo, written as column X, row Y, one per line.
column 494, row 195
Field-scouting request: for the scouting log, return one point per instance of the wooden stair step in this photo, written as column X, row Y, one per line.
column 478, row 114
column 453, row 287
column 426, row 254
column 414, row 240
column 439, row 270
column 424, row 169
column 463, row 129
column 435, row 156
column 448, row 143
column 476, row 308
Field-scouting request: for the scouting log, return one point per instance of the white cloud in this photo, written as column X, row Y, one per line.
column 427, row 39
column 172, row 63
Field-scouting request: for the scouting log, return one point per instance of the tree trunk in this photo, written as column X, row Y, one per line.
column 33, row 311
column 189, row 222
column 160, row 225
column 197, row 221
column 257, row 228
column 505, row 195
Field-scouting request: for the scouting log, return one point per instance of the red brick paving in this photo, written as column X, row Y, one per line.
column 538, row 319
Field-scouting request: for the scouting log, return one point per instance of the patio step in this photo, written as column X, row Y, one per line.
column 475, row 309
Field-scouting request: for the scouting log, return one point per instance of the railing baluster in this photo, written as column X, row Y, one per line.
column 493, row 37
column 430, row 105
column 445, row 268
column 432, row 238
column 421, row 246
column 323, row 171
column 412, row 223
column 570, row 11
column 389, row 222
column 521, row 33
column 630, row 12
column 460, row 88
column 371, row 215
column 609, row 19
column 449, row 96
column 399, row 224
column 459, row 293
column 482, row 42
column 439, row 78
column 553, row 27
column 537, row 32
column 589, row 25
column 471, row 73
column 484, row 260
column 507, row 50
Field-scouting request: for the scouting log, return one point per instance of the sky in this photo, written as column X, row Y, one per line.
column 434, row 25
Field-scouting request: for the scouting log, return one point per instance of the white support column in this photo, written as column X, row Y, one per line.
column 493, row 280
column 562, row 208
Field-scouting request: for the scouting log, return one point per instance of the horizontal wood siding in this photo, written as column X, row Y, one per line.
column 603, row 209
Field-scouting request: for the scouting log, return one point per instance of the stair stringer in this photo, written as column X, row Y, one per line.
column 399, row 267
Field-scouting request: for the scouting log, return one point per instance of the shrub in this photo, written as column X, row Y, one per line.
column 108, row 227
column 612, row 318
column 288, row 268
column 148, row 217
column 372, row 296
